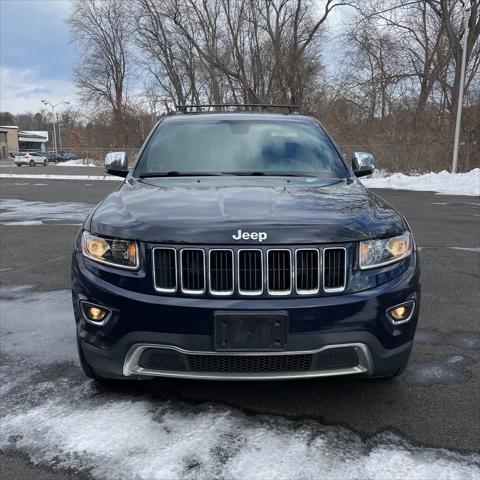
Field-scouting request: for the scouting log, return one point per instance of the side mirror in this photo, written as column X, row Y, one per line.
column 363, row 164
column 116, row 163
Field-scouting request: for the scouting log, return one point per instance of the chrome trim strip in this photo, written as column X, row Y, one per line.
column 165, row 290
column 188, row 291
column 339, row 289
column 313, row 291
column 250, row 292
column 131, row 367
column 279, row 292
column 220, row 292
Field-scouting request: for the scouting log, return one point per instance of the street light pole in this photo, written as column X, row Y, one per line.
column 54, row 115
column 456, row 140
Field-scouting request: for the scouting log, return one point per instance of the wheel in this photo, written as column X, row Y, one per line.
column 45, row 163
column 32, row 163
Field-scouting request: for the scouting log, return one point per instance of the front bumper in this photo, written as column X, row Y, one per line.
column 143, row 321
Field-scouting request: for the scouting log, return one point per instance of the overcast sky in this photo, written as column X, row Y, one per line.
column 36, row 56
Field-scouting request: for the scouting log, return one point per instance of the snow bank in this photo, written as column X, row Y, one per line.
column 125, row 439
column 47, row 176
column 81, row 162
column 443, row 182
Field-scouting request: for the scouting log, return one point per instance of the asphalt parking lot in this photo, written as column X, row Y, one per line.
column 435, row 404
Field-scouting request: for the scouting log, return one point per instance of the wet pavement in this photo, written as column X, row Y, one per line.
column 424, row 424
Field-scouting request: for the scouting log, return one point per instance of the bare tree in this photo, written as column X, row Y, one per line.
column 101, row 29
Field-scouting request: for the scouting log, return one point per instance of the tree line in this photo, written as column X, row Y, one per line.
column 387, row 78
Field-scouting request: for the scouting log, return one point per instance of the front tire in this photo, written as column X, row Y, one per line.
column 45, row 163
column 32, row 163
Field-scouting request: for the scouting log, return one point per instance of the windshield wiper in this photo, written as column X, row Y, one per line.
column 176, row 173
column 267, row 173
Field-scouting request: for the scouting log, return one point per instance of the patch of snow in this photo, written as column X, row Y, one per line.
column 63, row 177
column 467, row 249
column 443, row 182
column 31, row 213
column 57, row 418
column 124, row 439
column 23, row 222
column 80, row 162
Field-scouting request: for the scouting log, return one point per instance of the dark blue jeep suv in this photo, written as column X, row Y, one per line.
column 242, row 246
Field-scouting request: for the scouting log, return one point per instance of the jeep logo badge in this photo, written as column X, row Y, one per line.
column 260, row 236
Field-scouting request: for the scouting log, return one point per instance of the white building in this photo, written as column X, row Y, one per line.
column 32, row 140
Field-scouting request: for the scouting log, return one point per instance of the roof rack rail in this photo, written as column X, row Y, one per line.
column 235, row 107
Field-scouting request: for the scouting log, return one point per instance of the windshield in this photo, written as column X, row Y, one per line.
column 240, row 146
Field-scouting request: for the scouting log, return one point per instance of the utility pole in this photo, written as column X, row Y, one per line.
column 54, row 115
column 458, row 121
column 59, row 134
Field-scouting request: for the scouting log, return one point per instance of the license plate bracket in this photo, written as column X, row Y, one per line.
column 250, row 331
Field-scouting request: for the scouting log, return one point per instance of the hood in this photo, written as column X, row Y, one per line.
column 209, row 210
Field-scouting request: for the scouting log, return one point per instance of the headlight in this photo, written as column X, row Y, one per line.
column 112, row 251
column 376, row 253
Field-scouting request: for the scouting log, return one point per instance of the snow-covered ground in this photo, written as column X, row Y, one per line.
column 47, row 176
column 443, row 182
column 23, row 212
column 80, row 162
column 51, row 413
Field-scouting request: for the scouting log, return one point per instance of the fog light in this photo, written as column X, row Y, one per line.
column 94, row 314
column 401, row 313
column 398, row 313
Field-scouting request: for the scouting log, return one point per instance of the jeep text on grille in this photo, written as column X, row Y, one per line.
column 241, row 245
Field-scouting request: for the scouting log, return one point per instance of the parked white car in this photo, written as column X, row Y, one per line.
column 31, row 158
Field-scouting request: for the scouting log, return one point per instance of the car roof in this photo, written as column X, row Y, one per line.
column 216, row 116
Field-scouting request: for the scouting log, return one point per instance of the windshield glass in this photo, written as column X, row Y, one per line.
column 241, row 146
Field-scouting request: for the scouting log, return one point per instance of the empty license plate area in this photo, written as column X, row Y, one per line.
column 250, row 331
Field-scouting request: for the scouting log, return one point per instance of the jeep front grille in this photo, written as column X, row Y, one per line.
column 249, row 271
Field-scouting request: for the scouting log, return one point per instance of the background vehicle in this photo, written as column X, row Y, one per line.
column 30, row 158
column 60, row 156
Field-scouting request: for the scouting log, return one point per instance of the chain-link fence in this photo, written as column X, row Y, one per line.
column 419, row 158
column 407, row 158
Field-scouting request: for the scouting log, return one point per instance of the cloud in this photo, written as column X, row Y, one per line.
column 33, row 91
column 35, row 53
column 21, row 90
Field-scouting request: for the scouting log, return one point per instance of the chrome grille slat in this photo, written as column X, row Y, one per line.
column 279, row 271
column 165, row 269
column 307, row 271
column 334, row 269
column 192, row 271
column 250, row 271
column 237, row 271
column 221, row 272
